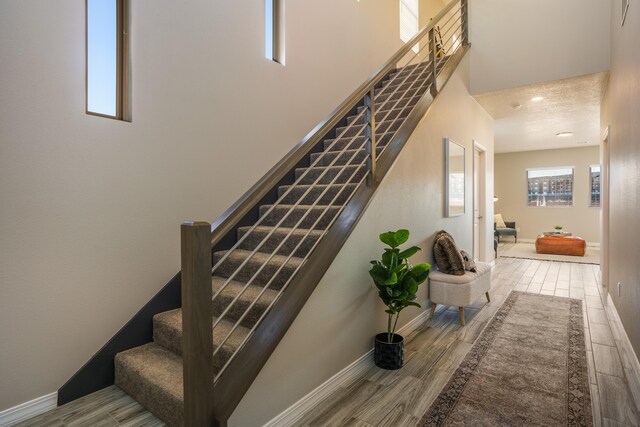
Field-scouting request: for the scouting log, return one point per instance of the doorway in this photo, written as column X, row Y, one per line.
column 479, row 202
column 604, row 214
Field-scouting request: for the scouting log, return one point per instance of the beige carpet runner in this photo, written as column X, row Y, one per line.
column 528, row 367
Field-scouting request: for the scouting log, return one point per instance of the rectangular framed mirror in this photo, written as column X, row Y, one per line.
column 454, row 170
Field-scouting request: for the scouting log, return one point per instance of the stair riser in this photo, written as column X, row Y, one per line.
column 160, row 403
column 171, row 339
column 341, row 175
column 272, row 242
column 335, row 195
column 266, row 275
column 320, row 216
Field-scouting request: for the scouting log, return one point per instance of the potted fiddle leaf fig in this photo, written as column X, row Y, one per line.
column 397, row 282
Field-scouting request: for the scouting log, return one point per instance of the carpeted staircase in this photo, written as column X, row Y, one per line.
column 269, row 253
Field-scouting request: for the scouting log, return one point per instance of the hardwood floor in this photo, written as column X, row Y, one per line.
column 433, row 352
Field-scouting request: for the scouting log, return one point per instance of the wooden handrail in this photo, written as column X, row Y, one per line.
column 201, row 407
column 228, row 220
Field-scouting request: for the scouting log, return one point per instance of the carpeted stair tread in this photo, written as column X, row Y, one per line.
column 301, row 216
column 272, row 252
column 354, row 143
column 384, row 115
column 167, row 332
column 291, row 236
column 351, row 157
column 336, row 194
column 386, row 106
column 405, row 84
column 246, row 297
column 276, row 271
column 345, row 131
column 330, row 175
column 152, row 375
column 392, row 96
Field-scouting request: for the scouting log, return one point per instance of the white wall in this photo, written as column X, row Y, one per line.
column 91, row 207
column 338, row 323
column 511, row 188
column 621, row 110
column 516, row 43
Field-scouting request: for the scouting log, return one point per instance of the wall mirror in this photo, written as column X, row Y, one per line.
column 454, row 155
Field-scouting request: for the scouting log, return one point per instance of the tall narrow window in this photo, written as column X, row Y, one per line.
column 274, row 30
column 106, row 58
column 409, row 24
column 550, row 187
column 594, row 175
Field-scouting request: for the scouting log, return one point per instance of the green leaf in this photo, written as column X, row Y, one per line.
column 392, row 280
column 409, row 252
column 420, row 272
column 394, row 261
column 401, row 236
column 386, row 258
column 388, row 238
column 414, row 304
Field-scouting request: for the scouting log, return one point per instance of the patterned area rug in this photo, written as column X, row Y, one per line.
column 528, row 251
column 528, row 367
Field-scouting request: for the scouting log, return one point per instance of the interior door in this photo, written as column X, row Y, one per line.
column 476, row 205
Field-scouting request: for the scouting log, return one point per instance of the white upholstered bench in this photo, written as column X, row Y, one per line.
column 459, row 291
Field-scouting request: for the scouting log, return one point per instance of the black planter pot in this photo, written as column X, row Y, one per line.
column 389, row 355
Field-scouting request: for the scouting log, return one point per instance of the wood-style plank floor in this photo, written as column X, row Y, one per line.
column 400, row 398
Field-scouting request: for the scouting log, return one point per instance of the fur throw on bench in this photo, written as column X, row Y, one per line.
column 449, row 259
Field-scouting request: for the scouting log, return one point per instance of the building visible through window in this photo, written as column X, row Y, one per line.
column 594, row 176
column 550, row 187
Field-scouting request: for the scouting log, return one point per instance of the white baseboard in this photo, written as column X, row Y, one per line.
column 591, row 244
column 292, row 414
column 29, row 409
column 626, row 348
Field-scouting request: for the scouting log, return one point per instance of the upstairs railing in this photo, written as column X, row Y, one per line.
column 417, row 66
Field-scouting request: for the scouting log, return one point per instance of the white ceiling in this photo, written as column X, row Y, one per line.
column 568, row 105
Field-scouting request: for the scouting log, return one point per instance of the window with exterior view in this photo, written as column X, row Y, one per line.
column 594, row 176
column 550, row 187
column 106, row 58
column 409, row 24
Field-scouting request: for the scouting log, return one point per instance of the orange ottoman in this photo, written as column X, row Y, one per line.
column 561, row 245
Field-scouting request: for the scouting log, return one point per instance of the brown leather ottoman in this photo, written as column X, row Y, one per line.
column 561, row 245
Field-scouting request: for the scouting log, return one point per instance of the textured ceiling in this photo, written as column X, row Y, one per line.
column 568, row 105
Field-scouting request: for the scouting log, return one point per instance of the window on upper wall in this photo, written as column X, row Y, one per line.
column 274, row 30
column 409, row 24
column 594, row 177
column 106, row 48
column 550, row 187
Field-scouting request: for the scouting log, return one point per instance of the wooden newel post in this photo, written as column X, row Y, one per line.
column 197, row 322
